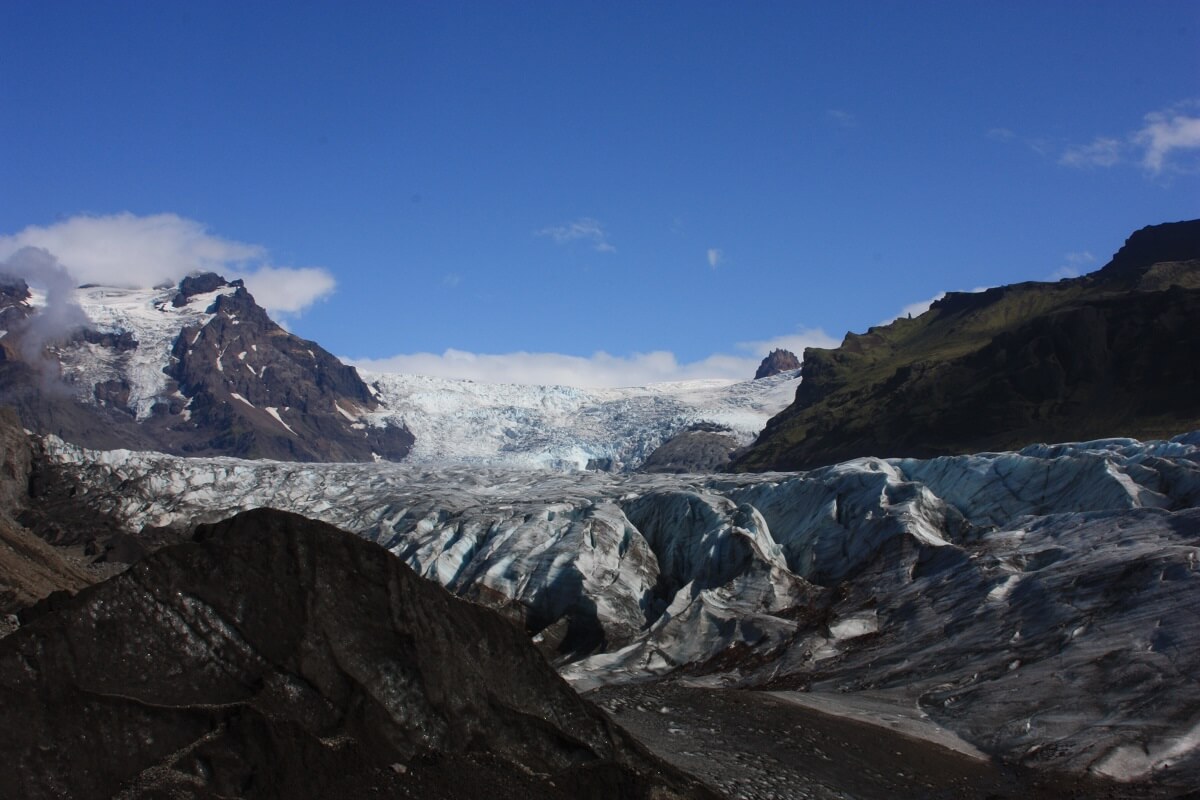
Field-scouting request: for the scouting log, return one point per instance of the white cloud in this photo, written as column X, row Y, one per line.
column 1101, row 152
column 140, row 251
column 451, row 280
column 1072, row 264
column 915, row 309
column 600, row 370
column 1001, row 134
column 714, row 257
column 1168, row 141
column 1164, row 135
column 918, row 308
column 288, row 290
column 583, row 229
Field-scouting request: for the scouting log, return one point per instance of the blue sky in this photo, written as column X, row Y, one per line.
column 505, row 191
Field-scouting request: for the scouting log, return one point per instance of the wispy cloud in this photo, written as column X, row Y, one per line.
column 599, row 370
column 585, row 229
column 141, row 251
column 1102, row 151
column 715, row 256
column 1167, row 142
column 451, row 280
column 1001, row 134
column 1073, row 265
column 841, row 118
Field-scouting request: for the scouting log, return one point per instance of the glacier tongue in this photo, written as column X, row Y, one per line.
column 1040, row 603
column 562, row 427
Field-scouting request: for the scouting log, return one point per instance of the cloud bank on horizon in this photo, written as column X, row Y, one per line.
column 597, row 371
column 144, row 251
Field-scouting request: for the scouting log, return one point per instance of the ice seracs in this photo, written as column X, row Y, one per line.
column 1036, row 603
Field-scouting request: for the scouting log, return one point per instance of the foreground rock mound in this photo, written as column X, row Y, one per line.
column 1113, row 353
column 276, row 656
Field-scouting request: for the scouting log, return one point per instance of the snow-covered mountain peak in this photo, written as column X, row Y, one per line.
column 154, row 322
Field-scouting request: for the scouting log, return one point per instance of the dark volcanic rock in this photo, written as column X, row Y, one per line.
column 777, row 361
column 241, row 363
column 278, row 657
column 703, row 447
column 1114, row 353
column 201, row 283
column 30, row 569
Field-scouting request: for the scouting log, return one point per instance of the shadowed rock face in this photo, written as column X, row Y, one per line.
column 275, row 656
column 29, row 568
column 1114, row 353
column 240, row 363
column 703, row 447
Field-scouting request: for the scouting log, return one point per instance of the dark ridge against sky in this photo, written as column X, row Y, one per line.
column 593, row 193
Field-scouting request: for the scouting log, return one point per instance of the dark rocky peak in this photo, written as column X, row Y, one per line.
column 1155, row 244
column 13, row 291
column 275, row 656
column 200, row 283
column 13, row 308
column 263, row 392
column 777, row 361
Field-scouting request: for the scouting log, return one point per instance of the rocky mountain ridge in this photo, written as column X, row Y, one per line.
column 1113, row 353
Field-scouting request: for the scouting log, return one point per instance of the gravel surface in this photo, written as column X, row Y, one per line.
column 760, row 746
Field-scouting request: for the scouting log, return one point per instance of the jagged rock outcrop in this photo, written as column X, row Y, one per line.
column 777, row 361
column 702, row 447
column 255, row 390
column 278, row 657
column 1114, row 353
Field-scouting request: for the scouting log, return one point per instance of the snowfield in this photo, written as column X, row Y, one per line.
column 1042, row 605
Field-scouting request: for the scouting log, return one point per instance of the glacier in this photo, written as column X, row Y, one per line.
column 1040, row 604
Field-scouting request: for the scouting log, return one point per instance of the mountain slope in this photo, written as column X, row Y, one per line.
column 279, row 657
column 1113, row 353
column 194, row 369
column 201, row 369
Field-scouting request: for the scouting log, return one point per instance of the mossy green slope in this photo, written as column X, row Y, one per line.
column 1113, row 353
